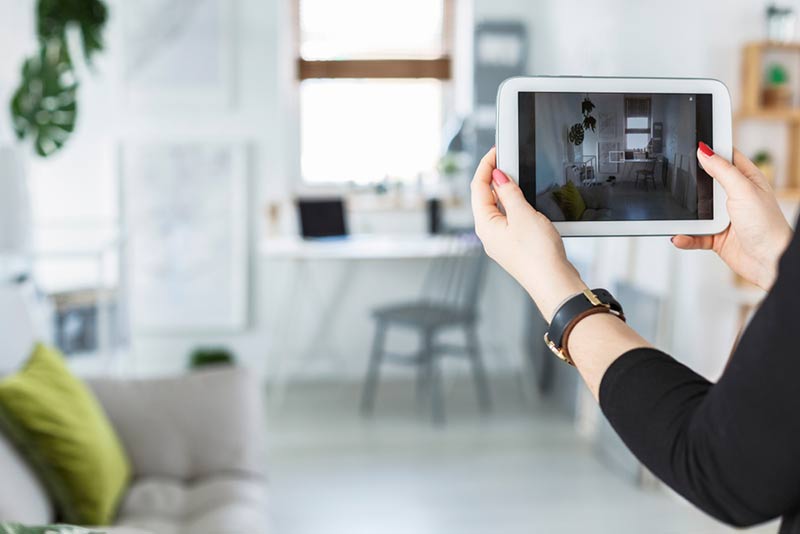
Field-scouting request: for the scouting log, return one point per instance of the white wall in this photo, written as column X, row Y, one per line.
column 588, row 37
column 265, row 113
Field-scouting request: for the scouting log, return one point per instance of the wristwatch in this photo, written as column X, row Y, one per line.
column 571, row 311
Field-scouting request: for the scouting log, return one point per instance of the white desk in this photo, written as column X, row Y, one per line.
column 362, row 247
column 301, row 289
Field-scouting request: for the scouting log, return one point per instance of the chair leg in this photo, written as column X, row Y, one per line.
column 478, row 370
column 373, row 369
column 433, row 378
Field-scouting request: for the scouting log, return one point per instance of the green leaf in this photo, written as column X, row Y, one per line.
column 90, row 16
column 44, row 105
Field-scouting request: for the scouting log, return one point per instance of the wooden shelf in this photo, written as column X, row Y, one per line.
column 753, row 109
column 788, row 193
column 767, row 114
column 774, row 45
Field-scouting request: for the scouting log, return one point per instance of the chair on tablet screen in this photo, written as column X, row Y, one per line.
column 647, row 174
column 450, row 298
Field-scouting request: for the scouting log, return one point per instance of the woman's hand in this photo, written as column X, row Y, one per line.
column 758, row 233
column 523, row 241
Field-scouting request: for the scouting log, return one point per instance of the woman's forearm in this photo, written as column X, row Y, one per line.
column 596, row 342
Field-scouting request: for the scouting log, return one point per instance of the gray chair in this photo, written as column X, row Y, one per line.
column 449, row 300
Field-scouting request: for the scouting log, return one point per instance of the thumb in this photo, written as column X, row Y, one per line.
column 730, row 178
column 509, row 193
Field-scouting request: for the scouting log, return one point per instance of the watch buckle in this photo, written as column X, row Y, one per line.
column 591, row 297
column 560, row 353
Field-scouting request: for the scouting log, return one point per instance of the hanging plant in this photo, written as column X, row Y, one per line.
column 44, row 106
column 577, row 132
column 589, row 122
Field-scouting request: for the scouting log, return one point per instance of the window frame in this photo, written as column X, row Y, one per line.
column 649, row 129
column 439, row 68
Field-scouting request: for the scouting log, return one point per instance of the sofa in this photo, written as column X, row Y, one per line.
column 596, row 197
column 195, row 443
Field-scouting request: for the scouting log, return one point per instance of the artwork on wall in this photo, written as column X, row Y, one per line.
column 607, row 125
column 179, row 53
column 185, row 217
column 608, row 151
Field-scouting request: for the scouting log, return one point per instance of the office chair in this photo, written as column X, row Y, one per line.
column 450, row 298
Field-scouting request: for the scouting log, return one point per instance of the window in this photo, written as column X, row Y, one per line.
column 372, row 78
column 637, row 123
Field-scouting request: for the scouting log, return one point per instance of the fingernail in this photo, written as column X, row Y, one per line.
column 705, row 149
column 672, row 239
column 498, row 177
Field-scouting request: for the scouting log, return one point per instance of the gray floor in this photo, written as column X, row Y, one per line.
column 521, row 470
column 629, row 202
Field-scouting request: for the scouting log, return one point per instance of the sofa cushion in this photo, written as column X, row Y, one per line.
column 189, row 427
column 571, row 202
column 58, row 424
column 219, row 505
column 547, row 205
column 596, row 215
column 596, row 197
column 22, row 497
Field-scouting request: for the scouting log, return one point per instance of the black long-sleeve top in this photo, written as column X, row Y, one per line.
column 731, row 448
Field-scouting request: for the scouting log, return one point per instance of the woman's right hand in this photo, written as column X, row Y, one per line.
column 758, row 233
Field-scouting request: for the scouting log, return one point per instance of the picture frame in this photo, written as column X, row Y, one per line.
column 607, row 125
column 607, row 163
column 185, row 214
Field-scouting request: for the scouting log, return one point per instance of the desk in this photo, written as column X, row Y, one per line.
column 301, row 290
column 361, row 247
column 631, row 163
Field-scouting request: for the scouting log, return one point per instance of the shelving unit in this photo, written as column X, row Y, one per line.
column 753, row 109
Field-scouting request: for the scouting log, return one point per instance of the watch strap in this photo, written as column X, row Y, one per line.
column 573, row 310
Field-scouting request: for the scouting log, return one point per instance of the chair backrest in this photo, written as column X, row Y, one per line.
column 456, row 279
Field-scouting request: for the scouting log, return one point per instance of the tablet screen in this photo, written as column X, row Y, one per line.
column 615, row 156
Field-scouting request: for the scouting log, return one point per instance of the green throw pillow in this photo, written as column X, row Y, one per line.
column 60, row 428
column 570, row 201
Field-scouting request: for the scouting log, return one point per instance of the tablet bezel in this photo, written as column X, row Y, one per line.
column 507, row 134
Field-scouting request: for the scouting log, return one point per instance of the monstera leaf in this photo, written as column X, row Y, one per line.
column 44, row 106
column 576, row 133
column 55, row 16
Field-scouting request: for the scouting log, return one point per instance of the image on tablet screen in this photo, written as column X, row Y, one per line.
column 614, row 156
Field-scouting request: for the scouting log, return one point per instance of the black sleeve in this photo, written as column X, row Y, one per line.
column 731, row 448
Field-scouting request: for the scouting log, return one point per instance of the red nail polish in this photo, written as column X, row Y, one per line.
column 705, row 149
column 498, row 177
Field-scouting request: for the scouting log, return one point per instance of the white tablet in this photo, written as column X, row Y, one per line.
column 616, row 156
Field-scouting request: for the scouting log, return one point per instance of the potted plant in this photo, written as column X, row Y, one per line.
column 777, row 93
column 763, row 160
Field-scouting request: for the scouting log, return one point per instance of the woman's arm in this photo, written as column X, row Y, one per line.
column 733, row 448
column 527, row 245
column 694, row 436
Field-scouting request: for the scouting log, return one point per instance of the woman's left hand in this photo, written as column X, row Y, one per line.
column 523, row 241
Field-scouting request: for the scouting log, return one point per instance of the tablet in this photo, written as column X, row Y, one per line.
column 616, row 156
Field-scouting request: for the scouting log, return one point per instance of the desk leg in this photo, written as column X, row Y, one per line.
column 320, row 340
column 281, row 335
column 298, row 299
